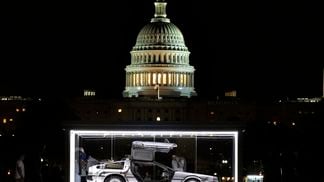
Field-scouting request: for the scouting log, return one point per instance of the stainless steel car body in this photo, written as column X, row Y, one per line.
column 142, row 154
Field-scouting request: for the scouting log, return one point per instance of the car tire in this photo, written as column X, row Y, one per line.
column 192, row 180
column 114, row 179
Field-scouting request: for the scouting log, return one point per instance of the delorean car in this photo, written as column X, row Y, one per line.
column 141, row 167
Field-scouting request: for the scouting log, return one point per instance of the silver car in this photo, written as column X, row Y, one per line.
column 141, row 167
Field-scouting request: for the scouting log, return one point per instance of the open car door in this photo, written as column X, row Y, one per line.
column 145, row 151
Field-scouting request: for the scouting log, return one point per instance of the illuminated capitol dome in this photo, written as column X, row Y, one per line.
column 160, row 60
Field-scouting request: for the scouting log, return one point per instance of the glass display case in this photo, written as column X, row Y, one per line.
column 151, row 155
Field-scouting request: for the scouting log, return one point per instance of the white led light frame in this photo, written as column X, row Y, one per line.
column 150, row 133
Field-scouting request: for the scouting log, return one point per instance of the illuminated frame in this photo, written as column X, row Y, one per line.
column 74, row 133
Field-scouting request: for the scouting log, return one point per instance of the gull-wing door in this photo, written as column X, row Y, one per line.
column 145, row 151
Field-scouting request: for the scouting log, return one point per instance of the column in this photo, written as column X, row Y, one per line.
column 188, row 79
column 192, row 80
column 173, row 79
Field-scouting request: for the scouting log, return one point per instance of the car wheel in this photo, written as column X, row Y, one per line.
column 192, row 180
column 114, row 179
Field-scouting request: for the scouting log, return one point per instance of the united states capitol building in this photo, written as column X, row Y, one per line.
column 160, row 58
column 159, row 87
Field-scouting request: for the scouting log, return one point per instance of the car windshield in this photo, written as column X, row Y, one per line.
column 155, row 146
column 162, row 166
column 114, row 165
column 145, row 150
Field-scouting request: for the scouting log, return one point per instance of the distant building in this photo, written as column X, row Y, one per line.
column 11, row 110
column 89, row 93
column 230, row 93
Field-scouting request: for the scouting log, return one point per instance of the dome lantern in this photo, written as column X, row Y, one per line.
column 160, row 12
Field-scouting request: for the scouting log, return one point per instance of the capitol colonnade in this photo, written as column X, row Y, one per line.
column 169, row 79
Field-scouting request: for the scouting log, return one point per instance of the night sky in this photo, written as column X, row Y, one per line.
column 267, row 48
